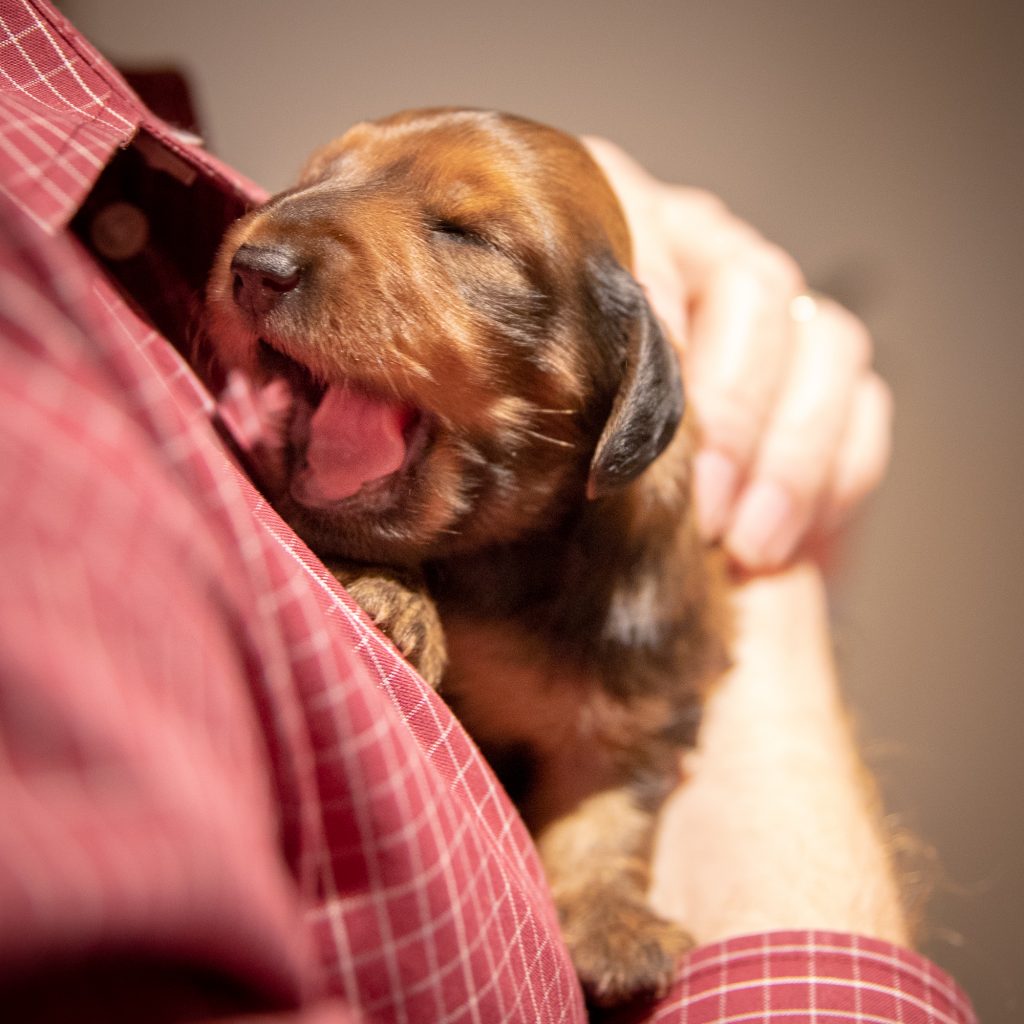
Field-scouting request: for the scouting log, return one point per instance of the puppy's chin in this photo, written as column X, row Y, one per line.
column 403, row 518
column 358, row 476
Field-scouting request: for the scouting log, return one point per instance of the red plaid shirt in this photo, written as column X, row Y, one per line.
column 221, row 791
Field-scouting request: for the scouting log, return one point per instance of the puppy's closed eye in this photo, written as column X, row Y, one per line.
column 445, row 229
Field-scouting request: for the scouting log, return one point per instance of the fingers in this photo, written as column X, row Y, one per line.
column 795, row 425
column 791, row 473
column 741, row 346
column 864, row 453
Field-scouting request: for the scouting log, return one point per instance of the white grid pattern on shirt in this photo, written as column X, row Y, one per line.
column 815, row 976
column 45, row 83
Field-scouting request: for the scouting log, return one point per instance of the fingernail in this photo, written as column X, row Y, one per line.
column 765, row 528
column 715, row 480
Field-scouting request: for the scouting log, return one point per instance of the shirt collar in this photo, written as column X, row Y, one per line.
column 64, row 111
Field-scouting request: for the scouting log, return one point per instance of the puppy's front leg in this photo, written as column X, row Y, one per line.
column 597, row 859
column 399, row 604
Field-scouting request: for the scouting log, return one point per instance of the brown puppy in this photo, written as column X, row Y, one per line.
column 467, row 387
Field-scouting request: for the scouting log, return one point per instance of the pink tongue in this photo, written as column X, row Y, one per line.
column 352, row 439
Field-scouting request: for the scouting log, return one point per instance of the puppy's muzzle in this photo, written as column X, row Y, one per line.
column 261, row 275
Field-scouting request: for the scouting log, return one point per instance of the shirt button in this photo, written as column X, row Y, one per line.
column 119, row 231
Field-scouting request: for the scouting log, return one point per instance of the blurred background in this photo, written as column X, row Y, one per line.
column 881, row 143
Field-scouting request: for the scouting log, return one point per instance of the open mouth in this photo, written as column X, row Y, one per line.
column 344, row 441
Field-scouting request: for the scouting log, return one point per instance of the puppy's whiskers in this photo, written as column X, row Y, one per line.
column 537, row 436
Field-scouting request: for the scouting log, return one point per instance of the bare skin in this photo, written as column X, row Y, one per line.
column 777, row 825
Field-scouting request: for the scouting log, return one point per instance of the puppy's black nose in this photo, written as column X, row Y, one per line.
column 262, row 274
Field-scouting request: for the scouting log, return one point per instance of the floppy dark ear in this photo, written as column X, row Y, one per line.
column 649, row 402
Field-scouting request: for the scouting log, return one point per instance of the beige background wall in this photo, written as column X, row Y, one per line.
column 880, row 141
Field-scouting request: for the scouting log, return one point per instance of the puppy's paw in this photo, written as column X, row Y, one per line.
column 405, row 613
column 623, row 950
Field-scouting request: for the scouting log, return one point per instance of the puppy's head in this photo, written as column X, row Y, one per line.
column 442, row 315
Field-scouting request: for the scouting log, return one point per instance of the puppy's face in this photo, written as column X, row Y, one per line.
column 440, row 317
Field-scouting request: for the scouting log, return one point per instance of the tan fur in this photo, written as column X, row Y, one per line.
column 475, row 265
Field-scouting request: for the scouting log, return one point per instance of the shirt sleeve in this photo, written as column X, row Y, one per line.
column 807, row 977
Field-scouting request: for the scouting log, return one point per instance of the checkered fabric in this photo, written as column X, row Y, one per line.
column 221, row 790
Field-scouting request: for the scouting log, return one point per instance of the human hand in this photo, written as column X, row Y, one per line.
column 795, row 423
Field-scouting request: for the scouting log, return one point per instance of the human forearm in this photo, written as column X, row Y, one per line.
column 776, row 825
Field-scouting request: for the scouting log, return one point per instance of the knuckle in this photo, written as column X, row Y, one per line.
column 688, row 212
column 857, row 336
column 764, row 269
column 883, row 395
column 704, row 201
column 845, row 332
column 777, row 270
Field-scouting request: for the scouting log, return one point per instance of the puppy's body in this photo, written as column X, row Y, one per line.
column 474, row 413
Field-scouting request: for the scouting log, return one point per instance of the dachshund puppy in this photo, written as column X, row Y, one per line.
column 474, row 418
